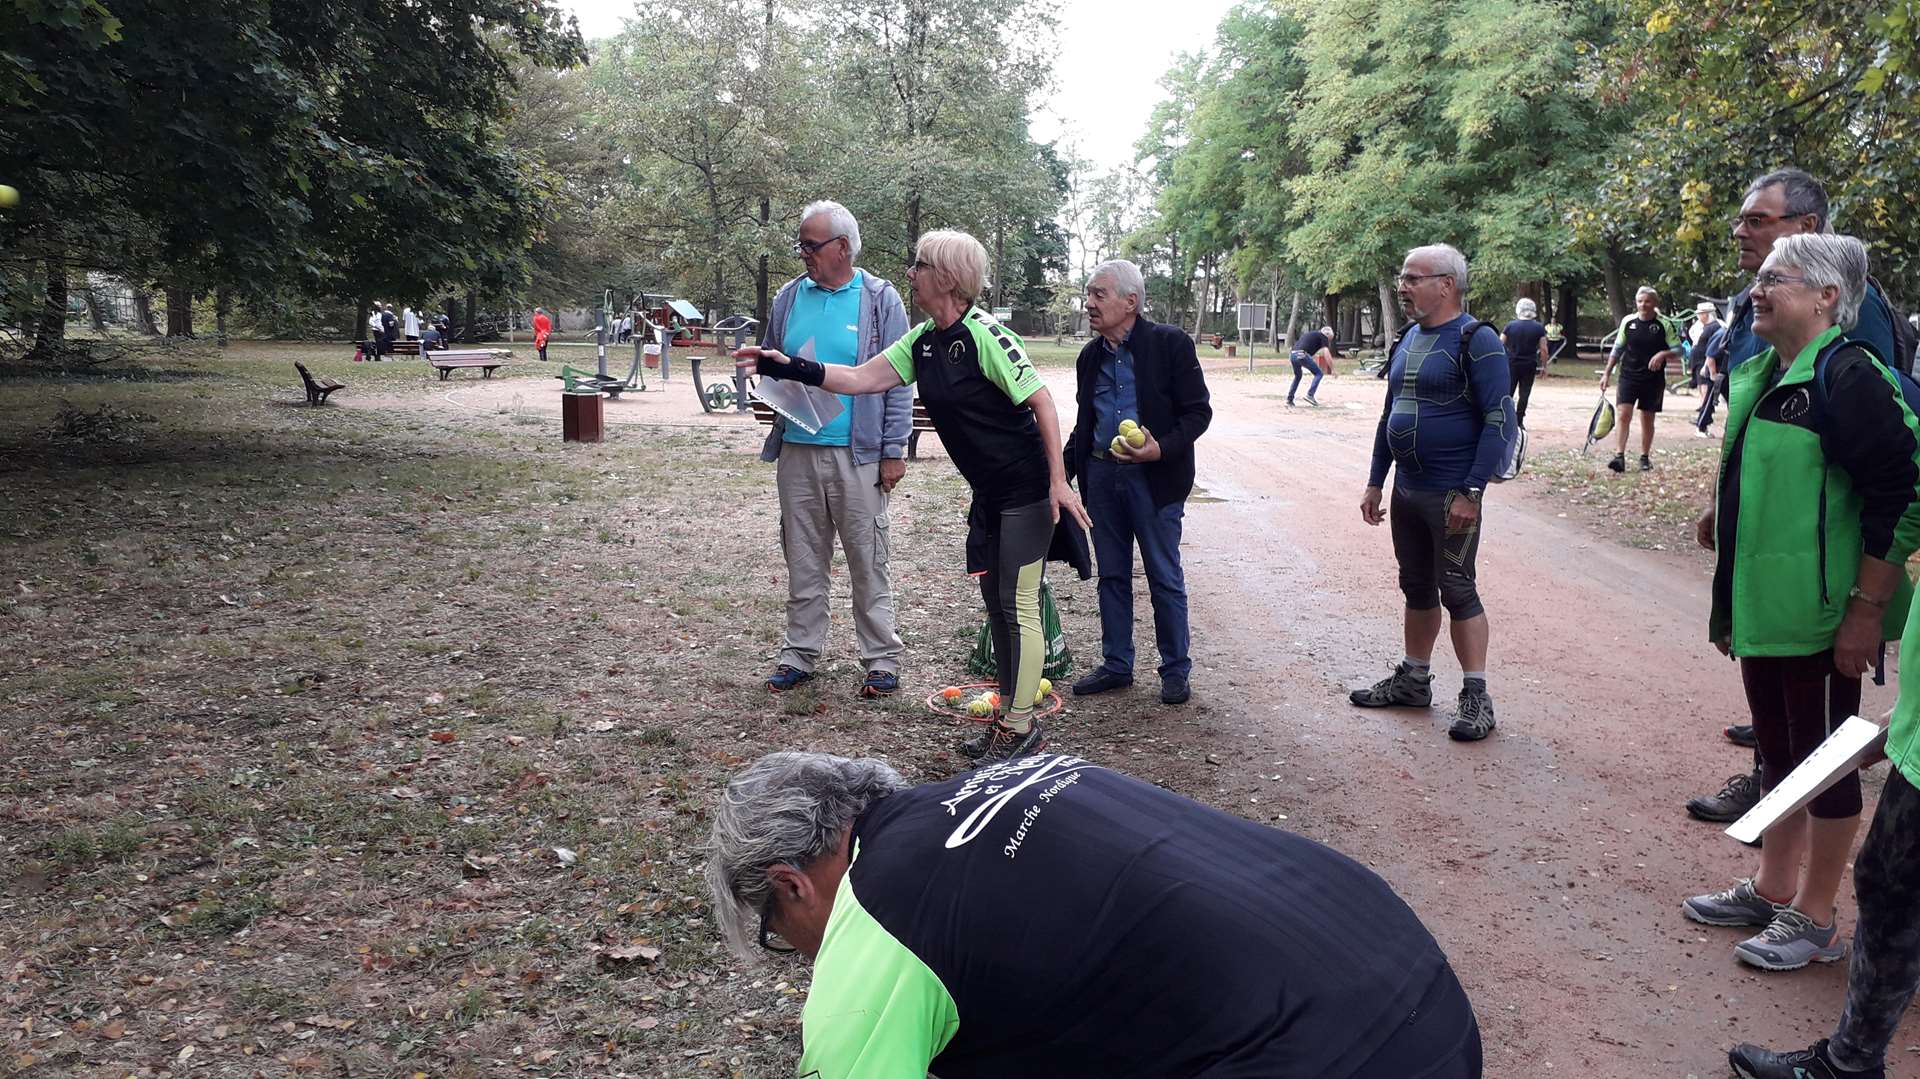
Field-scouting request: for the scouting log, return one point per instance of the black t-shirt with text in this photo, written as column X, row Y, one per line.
column 1643, row 338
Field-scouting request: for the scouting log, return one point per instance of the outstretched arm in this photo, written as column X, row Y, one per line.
column 876, row 375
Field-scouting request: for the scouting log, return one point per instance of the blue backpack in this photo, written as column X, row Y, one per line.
column 1909, row 389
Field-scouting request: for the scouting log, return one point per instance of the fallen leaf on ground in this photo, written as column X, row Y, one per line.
column 441, row 736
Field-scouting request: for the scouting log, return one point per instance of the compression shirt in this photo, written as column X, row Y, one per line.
column 1445, row 424
column 1047, row 917
column 975, row 379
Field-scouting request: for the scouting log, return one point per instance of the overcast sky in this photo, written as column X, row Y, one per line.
column 1112, row 54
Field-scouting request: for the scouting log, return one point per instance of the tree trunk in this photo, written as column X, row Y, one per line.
column 999, row 264
column 1331, row 302
column 361, row 308
column 1547, row 306
column 761, row 282
column 1206, row 298
column 471, row 316
column 1389, row 316
column 1616, row 297
column 222, row 306
column 455, row 328
column 1567, row 311
column 913, row 225
column 1293, row 319
column 51, row 328
column 143, row 312
column 179, row 311
column 94, row 313
column 1349, row 324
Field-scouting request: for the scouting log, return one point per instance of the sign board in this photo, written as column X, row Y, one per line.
column 1253, row 316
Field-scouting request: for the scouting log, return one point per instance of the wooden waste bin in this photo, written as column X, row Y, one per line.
column 582, row 416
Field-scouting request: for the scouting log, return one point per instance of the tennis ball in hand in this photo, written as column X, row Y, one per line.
column 1118, row 444
column 1135, row 438
column 9, row 197
column 979, row 706
column 1127, row 426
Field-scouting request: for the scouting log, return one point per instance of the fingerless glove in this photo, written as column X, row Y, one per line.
column 805, row 372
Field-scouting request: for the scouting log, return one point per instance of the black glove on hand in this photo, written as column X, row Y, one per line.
column 805, row 372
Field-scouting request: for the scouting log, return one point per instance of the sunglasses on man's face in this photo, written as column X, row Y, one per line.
column 769, row 939
column 808, row 247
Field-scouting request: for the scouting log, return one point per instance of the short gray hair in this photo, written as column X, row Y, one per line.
column 785, row 808
column 840, row 218
column 1525, row 308
column 1453, row 263
column 1126, row 279
column 1827, row 259
column 1644, row 290
column 1804, row 195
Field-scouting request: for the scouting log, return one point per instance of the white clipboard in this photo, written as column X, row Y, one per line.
column 1839, row 754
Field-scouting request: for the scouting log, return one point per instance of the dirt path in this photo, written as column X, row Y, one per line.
column 1551, row 859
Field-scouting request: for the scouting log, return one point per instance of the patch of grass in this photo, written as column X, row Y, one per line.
column 1654, row 509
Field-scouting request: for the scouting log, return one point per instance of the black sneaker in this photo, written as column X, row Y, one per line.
column 1646, row 463
column 1402, row 688
column 1753, row 1062
column 1100, row 681
column 1619, row 462
column 1000, row 743
column 1732, row 803
column 1741, row 734
column 1474, row 720
column 1174, row 689
column 786, row 676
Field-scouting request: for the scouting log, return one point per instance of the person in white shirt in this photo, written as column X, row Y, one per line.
column 410, row 323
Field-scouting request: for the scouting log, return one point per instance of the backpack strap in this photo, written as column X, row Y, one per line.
column 1823, row 372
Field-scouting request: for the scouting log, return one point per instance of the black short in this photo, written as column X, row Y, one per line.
column 1648, row 392
column 1436, row 562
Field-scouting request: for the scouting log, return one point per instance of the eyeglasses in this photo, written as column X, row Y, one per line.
column 1769, row 280
column 917, row 265
column 808, row 247
column 1406, row 279
column 1758, row 220
column 770, row 940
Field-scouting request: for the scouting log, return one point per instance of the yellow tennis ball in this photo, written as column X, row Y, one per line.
column 1135, row 438
column 9, row 197
column 1119, row 443
column 1128, row 425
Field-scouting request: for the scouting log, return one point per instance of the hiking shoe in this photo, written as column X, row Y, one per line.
column 1791, row 942
column 1289, row 402
column 1646, row 463
column 1101, row 681
column 1000, row 742
column 1738, row 905
column 1619, row 462
column 1474, row 720
column 1174, row 689
column 1404, row 687
column 1312, row 400
column 786, row 676
column 1753, row 1062
column 880, row 684
column 1732, row 803
column 1741, row 734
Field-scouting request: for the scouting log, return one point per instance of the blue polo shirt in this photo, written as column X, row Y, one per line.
column 1114, row 396
column 828, row 319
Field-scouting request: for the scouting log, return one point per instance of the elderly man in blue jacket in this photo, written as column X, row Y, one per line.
column 838, row 480
column 1142, row 403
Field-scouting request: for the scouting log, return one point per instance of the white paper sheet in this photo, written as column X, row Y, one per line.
column 1839, row 754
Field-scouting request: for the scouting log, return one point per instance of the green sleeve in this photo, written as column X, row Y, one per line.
column 1003, row 359
column 900, row 353
column 876, row 1011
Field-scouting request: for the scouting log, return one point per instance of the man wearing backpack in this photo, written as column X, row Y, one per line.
column 1445, row 429
column 1781, row 203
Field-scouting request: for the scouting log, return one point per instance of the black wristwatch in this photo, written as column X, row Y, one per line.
column 1471, row 494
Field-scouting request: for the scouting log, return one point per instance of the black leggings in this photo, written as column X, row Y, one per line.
column 1436, row 562
column 1797, row 701
column 1885, row 969
column 1522, row 374
column 1008, row 552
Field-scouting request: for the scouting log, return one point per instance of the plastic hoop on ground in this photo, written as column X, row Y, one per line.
column 939, row 706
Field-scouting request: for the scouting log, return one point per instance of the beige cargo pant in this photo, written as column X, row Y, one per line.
column 823, row 493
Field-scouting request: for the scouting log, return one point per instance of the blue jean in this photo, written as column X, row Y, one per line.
column 1303, row 363
column 1123, row 513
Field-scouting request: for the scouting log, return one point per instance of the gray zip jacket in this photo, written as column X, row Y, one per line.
column 881, row 421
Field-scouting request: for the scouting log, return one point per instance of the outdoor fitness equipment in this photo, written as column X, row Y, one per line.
column 601, row 381
column 719, row 396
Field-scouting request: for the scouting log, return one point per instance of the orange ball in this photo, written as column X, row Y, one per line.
column 951, row 693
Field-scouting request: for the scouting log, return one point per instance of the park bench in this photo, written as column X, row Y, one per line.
column 317, row 389
column 449, row 360
column 763, row 415
column 398, row 348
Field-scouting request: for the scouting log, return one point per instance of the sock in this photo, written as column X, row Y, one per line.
column 1018, row 722
column 1416, row 666
column 1468, row 678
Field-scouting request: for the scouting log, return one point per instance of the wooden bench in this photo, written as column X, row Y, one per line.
column 401, row 347
column 449, row 360
column 763, row 415
column 317, row 389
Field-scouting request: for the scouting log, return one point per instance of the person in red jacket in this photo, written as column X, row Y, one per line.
column 542, row 329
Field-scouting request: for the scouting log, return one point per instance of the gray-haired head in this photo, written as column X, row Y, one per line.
column 1525, row 308
column 1328, row 330
column 1803, row 194
column 1124, row 278
column 840, row 218
column 1446, row 259
column 1827, row 260
column 1645, row 290
column 785, row 808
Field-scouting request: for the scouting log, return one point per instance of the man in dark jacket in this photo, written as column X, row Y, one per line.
column 1141, row 402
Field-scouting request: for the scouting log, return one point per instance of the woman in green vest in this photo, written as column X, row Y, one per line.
column 1815, row 517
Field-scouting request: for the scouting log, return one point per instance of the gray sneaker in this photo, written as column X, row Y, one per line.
column 1738, row 905
column 1474, row 720
column 1402, row 687
column 1791, row 942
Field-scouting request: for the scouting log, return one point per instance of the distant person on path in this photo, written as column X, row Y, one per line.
column 1713, row 375
column 1526, row 342
column 838, row 481
column 542, row 329
column 1306, row 360
column 1706, row 323
column 1815, row 517
column 1446, row 425
column 1049, row 917
column 389, row 329
column 994, row 415
column 409, row 323
column 1784, row 202
column 1642, row 350
column 1556, row 341
column 1144, row 371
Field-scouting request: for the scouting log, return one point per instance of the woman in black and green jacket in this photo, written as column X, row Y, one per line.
column 1816, row 514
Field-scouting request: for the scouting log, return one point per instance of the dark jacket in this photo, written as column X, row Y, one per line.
column 1172, row 396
